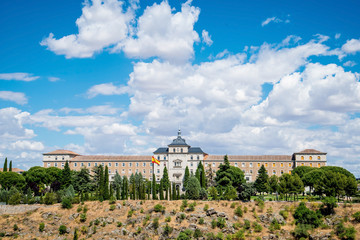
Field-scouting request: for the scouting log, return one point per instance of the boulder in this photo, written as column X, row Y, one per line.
column 211, row 212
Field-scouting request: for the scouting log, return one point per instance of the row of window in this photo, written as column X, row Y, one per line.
column 251, row 164
column 311, row 158
column 191, row 157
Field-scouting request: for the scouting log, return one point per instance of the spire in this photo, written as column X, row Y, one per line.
column 179, row 132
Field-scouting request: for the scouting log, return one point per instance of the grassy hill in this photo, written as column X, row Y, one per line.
column 139, row 220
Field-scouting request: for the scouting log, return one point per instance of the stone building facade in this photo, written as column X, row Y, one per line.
column 178, row 154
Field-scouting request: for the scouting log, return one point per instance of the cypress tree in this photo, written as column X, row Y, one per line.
column 125, row 191
column 5, row 165
column 166, row 182
column 66, row 175
column 178, row 193
column 161, row 190
column 118, row 193
column 106, row 183
column 101, row 183
column 111, row 191
column 197, row 173
column 170, row 193
column 186, row 177
column 174, row 196
column 154, row 197
column 10, row 166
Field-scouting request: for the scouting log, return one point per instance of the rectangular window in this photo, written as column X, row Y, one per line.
column 258, row 164
column 116, row 164
column 289, row 164
column 55, row 158
column 282, row 172
column 266, row 164
column 191, row 164
column 109, row 171
column 191, row 157
column 89, row 164
column 250, row 164
column 137, row 170
column 109, row 164
column 129, row 170
column 206, row 164
column 274, row 172
column 289, row 171
column 48, row 164
column 144, row 171
column 236, row 164
column 130, row 164
column 250, row 171
column 123, row 170
column 82, row 164
column 151, row 171
column 214, row 165
column 55, row 164
column 95, row 164
column 123, row 164
column 62, row 164
column 273, row 164
column 198, row 157
column 158, row 171
column 310, row 164
column 164, row 157
column 137, row 164
column 144, row 164
column 318, row 164
column 243, row 164
column 282, row 164
column 103, row 164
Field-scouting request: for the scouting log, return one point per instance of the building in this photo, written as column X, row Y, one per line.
column 17, row 170
column 178, row 154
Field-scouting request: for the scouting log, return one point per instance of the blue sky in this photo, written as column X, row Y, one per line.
column 239, row 77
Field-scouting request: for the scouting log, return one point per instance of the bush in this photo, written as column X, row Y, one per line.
column 41, row 227
column 303, row 215
column 76, row 234
column 50, row 198
column 274, row 225
column 66, row 203
column 238, row 211
column 15, row 227
column 130, row 213
column 203, row 194
column 257, row 227
column 239, row 235
column 15, row 198
column 206, row 207
column 221, row 222
column 197, row 233
column 210, row 236
column 85, row 209
column 213, row 224
column 83, row 217
column 328, row 205
column 119, row 224
column 167, row 230
column 348, row 234
column 112, row 207
column 302, row 231
column 159, row 208
column 62, row 229
column 356, row 217
column 247, row 224
column 183, row 236
column 192, row 207
column 84, row 230
column 112, row 200
column 284, row 214
column 168, row 219
column 182, row 216
column 233, row 205
column 79, row 209
column 155, row 223
column 201, row 221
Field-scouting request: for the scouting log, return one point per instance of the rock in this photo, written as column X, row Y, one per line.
column 73, row 216
column 193, row 219
column 192, row 227
column 211, row 212
column 320, row 236
column 118, row 206
column 270, row 237
column 47, row 215
column 223, row 215
column 197, row 215
column 268, row 218
column 333, row 220
column 228, row 230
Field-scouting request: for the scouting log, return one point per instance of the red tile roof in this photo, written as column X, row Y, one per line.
column 61, row 151
column 14, row 170
column 310, row 151
column 111, row 158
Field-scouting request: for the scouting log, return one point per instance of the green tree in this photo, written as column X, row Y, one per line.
column 203, row 181
column 262, row 180
column 125, row 190
column 66, row 175
column 10, row 166
column 213, row 193
column 174, row 195
column 285, row 185
column 5, row 165
column 274, row 184
column 297, row 185
column 117, row 185
column 132, row 186
column 186, row 178
column 106, row 195
column 302, row 170
column 82, row 181
column 166, row 182
column 350, row 187
column 153, row 186
column 9, row 179
column 161, row 190
column 230, row 193
column 193, row 188
column 338, row 170
column 36, row 178
column 311, row 178
column 54, row 175
column 303, row 215
column 246, row 191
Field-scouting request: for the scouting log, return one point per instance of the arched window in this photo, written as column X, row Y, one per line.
column 319, row 158
column 302, row 157
column 310, row 157
column 181, row 150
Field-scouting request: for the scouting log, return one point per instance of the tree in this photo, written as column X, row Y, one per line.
column 262, row 180
column 210, row 176
column 118, row 185
column 297, row 185
column 274, row 184
column 230, row 193
column 338, row 170
column 161, row 190
column 54, row 175
column 213, row 193
column 186, row 178
column 66, row 175
column 302, row 170
column 193, row 188
column 246, row 191
column 106, row 195
column 153, row 186
column 82, row 181
column 9, row 179
column 132, row 186
column 36, row 178
column 203, row 181
column 5, row 165
column 350, row 187
column 174, row 195
column 311, row 178
column 285, row 184
column 10, row 166
column 166, row 182
column 125, row 191
column 303, row 215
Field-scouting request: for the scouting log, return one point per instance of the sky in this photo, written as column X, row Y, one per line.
column 238, row 77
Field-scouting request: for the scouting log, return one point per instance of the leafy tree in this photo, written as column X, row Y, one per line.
column 193, row 188
column 166, row 182
column 106, row 195
column 246, row 191
column 153, row 186
column 303, row 215
column 54, row 175
column 285, row 184
column 302, row 170
column 350, row 187
column 230, row 193
column 9, row 179
column 328, row 206
column 297, row 185
column 117, row 185
column 66, row 175
column 10, row 166
column 186, row 178
column 132, row 186
column 332, row 184
column 14, row 196
column 36, row 178
column 161, row 190
column 125, row 190
column 274, row 184
column 5, row 165
column 312, row 177
column 262, row 180
column 213, row 192
column 338, row 170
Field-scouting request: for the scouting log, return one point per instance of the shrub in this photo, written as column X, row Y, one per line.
column 197, row 233
column 79, row 209
column 192, row 207
column 167, row 230
column 155, row 223
column 50, row 198
column 284, row 214
column 274, row 225
column 130, row 213
column 237, row 226
column 210, row 236
column 247, row 224
column 201, row 221
column 221, row 222
column 83, row 217
column 76, row 234
column 183, row 236
column 159, row 208
column 302, row 231
column 66, row 203
column 257, row 227
column 238, row 211
column 112, row 200
column 206, row 207
column 239, row 235
column 328, row 205
column 15, row 198
column 62, row 229
column 41, row 227
column 270, row 210
column 15, row 227
column 303, row 215
column 97, row 221
column 84, row 230
column 119, row 224
column 168, row 219
column 85, row 209
column 219, row 236
column 356, row 216
column 348, row 234
column 213, row 224
column 245, row 209
column 233, row 205
column 112, row 207
column 182, row 216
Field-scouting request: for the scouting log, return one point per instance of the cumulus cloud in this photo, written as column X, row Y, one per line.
column 206, row 38
column 27, row 77
column 17, row 97
column 105, row 89
column 349, row 64
column 351, row 46
column 164, row 34
column 53, row 79
column 27, row 145
column 102, row 24
column 274, row 20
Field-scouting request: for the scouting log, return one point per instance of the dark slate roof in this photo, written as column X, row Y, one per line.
column 179, row 141
column 161, row 150
column 195, row 150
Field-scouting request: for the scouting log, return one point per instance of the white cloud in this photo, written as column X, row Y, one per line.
column 351, row 46
column 162, row 33
column 17, row 97
column 337, row 36
column 53, row 79
column 105, row 89
column 27, row 145
column 102, row 24
column 206, row 38
column 27, row 77
column 349, row 63
column 273, row 19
